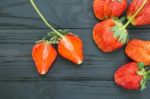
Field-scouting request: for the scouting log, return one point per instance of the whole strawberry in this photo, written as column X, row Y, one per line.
column 131, row 76
column 43, row 55
column 138, row 50
column 104, row 9
column 143, row 17
column 109, row 35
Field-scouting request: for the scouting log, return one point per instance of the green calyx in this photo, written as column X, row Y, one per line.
column 45, row 20
column 120, row 33
column 52, row 37
column 145, row 74
column 119, row 29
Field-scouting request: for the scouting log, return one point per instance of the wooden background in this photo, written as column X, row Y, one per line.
column 20, row 27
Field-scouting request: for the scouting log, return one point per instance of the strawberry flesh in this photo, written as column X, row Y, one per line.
column 70, row 47
column 43, row 55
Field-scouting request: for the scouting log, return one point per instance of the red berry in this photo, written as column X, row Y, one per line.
column 143, row 17
column 104, row 9
column 132, row 76
column 127, row 77
column 43, row 55
column 107, row 35
column 71, row 48
column 139, row 51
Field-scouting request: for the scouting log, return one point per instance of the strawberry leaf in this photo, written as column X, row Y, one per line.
column 119, row 33
column 148, row 77
column 64, row 32
column 122, row 19
column 53, row 37
column 143, row 83
column 140, row 65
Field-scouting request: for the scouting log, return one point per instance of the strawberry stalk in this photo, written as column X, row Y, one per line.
column 119, row 29
column 134, row 15
column 45, row 20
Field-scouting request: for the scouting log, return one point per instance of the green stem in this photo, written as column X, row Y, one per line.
column 147, row 72
column 148, row 75
column 144, row 2
column 44, row 20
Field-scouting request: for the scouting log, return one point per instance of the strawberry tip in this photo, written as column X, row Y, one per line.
column 43, row 72
column 79, row 62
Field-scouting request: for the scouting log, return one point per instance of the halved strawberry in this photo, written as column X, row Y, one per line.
column 132, row 76
column 104, row 9
column 71, row 48
column 43, row 55
column 143, row 17
column 109, row 36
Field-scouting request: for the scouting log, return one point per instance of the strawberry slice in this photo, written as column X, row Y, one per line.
column 43, row 55
column 70, row 47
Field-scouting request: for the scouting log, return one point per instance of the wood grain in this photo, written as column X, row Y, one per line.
column 68, row 90
column 20, row 27
column 16, row 62
column 63, row 14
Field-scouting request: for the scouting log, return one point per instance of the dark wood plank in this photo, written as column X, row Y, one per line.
column 20, row 27
column 16, row 62
column 61, row 13
column 68, row 90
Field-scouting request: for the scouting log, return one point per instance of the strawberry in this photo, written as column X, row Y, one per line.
column 143, row 16
column 104, row 9
column 138, row 50
column 70, row 47
column 131, row 76
column 109, row 35
column 43, row 55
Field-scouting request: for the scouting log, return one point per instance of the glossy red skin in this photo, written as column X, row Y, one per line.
column 104, row 9
column 126, row 76
column 143, row 18
column 139, row 51
column 43, row 55
column 71, row 48
column 103, row 36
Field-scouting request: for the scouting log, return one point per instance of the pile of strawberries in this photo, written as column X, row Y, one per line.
column 110, row 34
